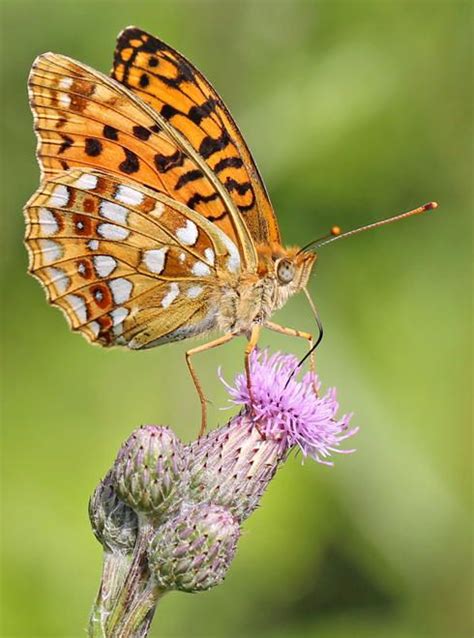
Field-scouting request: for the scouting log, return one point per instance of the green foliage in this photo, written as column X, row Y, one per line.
column 354, row 110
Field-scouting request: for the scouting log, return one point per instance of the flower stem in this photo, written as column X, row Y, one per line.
column 114, row 571
column 137, row 621
column 135, row 583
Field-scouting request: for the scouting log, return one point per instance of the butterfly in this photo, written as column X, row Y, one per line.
column 152, row 223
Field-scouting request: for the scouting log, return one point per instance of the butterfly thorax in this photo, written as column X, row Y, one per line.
column 253, row 297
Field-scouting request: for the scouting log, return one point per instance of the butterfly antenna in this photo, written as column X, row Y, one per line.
column 337, row 234
column 317, row 342
column 334, row 232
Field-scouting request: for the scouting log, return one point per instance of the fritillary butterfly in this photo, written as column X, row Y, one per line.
column 152, row 223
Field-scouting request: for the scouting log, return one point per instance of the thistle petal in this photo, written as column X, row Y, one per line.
column 288, row 409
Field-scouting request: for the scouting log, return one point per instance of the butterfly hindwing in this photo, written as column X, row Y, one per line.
column 167, row 81
column 127, row 265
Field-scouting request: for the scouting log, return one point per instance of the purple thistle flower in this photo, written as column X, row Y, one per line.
column 291, row 411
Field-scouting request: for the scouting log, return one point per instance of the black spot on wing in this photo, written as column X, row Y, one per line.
column 130, row 164
column 198, row 113
column 67, row 143
column 164, row 163
column 211, row 145
column 144, row 80
column 190, row 176
column 110, row 132
column 141, row 132
column 151, row 45
column 234, row 185
column 228, row 162
column 93, row 146
column 168, row 111
column 185, row 72
column 197, row 198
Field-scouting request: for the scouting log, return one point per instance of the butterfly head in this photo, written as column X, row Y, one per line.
column 290, row 268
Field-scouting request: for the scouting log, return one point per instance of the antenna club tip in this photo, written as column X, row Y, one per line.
column 336, row 230
column 431, row 206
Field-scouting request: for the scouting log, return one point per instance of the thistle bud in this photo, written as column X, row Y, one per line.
column 193, row 550
column 114, row 524
column 233, row 465
column 150, row 471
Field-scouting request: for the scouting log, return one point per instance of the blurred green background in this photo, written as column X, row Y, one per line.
column 353, row 110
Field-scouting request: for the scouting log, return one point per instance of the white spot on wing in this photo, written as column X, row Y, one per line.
column 64, row 100
column 59, row 279
column 155, row 259
column 93, row 244
column 128, row 195
column 113, row 232
column 95, row 328
column 188, row 234
column 182, row 257
column 118, row 315
column 233, row 261
column 48, row 223
column 194, row 291
column 65, row 83
column 104, row 265
column 86, row 182
column 50, row 250
column 200, row 269
column 114, row 212
column 171, row 295
column 78, row 306
column 121, row 289
column 158, row 210
column 210, row 255
column 60, row 196
column 118, row 330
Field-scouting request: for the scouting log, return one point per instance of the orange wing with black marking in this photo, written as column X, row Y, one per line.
column 169, row 83
column 85, row 119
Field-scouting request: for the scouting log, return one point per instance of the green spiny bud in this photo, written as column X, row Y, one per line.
column 150, row 471
column 114, row 524
column 193, row 550
column 233, row 465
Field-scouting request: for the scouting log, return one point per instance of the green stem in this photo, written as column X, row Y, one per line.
column 137, row 620
column 136, row 581
column 114, row 570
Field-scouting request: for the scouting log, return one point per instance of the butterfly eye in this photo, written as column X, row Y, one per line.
column 285, row 271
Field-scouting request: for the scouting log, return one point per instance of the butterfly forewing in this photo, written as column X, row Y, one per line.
column 84, row 119
column 127, row 265
column 179, row 92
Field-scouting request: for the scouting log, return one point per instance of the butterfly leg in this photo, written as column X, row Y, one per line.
column 291, row 332
column 197, row 384
column 251, row 345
